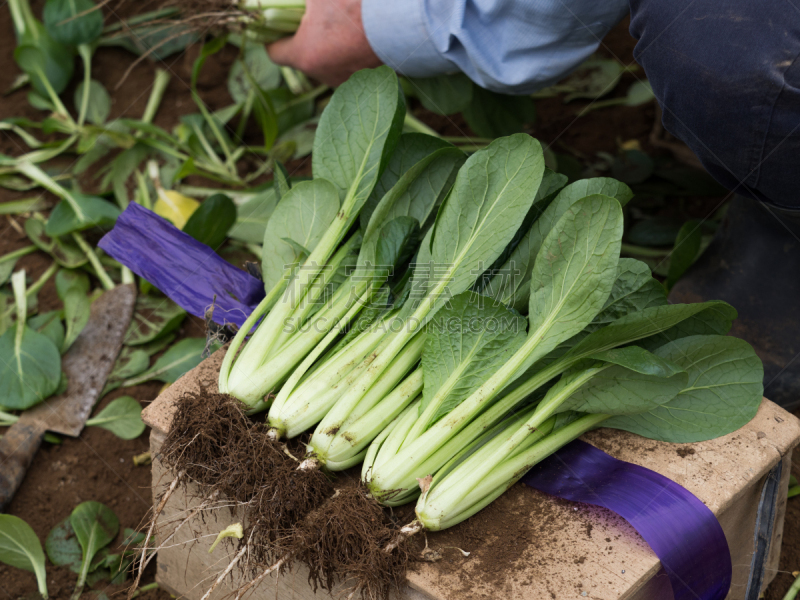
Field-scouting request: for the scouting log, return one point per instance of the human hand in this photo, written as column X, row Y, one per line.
column 330, row 44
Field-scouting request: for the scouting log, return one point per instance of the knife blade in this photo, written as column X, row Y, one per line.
column 87, row 364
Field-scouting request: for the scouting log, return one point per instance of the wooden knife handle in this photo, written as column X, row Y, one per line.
column 18, row 446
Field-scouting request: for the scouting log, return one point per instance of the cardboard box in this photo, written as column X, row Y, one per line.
column 541, row 547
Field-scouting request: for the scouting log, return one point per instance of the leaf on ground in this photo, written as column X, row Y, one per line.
column 99, row 103
column 686, row 251
column 62, row 547
column 65, row 252
column 122, row 417
column 180, row 358
column 153, row 318
column 20, row 548
column 30, row 370
column 252, row 217
column 211, row 222
column 49, row 324
column 93, row 212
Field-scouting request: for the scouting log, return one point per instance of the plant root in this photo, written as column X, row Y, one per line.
column 281, row 503
column 143, row 559
column 230, row 566
column 346, row 539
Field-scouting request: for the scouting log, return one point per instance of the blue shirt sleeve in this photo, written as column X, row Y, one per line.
column 508, row 46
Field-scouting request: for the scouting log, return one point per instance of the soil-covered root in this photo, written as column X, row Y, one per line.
column 280, row 504
column 210, row 439
column 350, row 539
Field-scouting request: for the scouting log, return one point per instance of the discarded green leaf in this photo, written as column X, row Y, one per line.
column 211, row 222
column 265, row 73
column 122, row 417
column 252, row 217
column 73, row 22
column 62, row 547
column 182, row 357
column 66, row 253
column 72, row 288
column 49, row 324
column 153, row 318
column 95, row 526
column 94, row 212
column 20, row 548
column 99, row 106
column 30, row 369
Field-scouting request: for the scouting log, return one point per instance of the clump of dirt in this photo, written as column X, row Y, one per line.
column 346, row 539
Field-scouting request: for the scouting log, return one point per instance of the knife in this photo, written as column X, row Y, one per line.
column 87, row 364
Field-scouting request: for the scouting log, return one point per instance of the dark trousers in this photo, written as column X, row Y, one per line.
column 727, row 75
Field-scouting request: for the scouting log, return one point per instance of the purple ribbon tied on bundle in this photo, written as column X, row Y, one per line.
column 188, row 272
column 681, row 530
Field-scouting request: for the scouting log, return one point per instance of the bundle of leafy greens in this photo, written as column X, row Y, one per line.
column 582, row 303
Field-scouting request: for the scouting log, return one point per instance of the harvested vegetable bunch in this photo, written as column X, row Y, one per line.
column 468, row 439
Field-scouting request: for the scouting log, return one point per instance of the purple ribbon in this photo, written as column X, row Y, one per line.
column 681, row 530
column 190, row 273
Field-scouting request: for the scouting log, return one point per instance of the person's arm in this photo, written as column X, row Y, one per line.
column 509, row 46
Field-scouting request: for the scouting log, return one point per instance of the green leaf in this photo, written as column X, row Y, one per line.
column 410, row 150
column 467, row 342
column 357, row 133
column 491, row 115
column 574, row 272
column 62, row 547
column 657, row 325
column 49, row 324
column 76, row 314
column 513, row 279
column 396, row 243
column 415, row 194
column 95, row 526
column 20, row 548
column 211, row 222
column 130, row 362
column 73, row 22
column 99, row 101
column 158, row 41
column 122, row 417
column 30, row 368
column 252, row 217
column 48, row 58
column 182, row 357
column 492, row 194
column 444, row 94
column 303, row 215
column 72, row 288
column 724, row 392
column 152, row 319
column 265, row 73
column 633, row 381
column 686, row 251
column 595, row 78
column 94, row 212
column 634, row 290
column 66, row 280
column 66, row 253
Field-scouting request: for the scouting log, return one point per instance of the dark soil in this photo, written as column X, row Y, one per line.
column 98, row 466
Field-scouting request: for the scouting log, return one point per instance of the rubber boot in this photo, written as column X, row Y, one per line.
column 754, row 265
